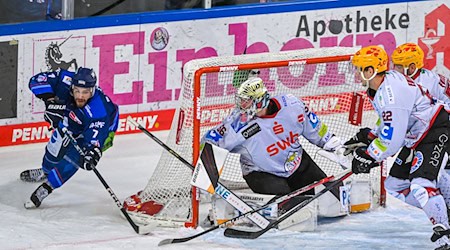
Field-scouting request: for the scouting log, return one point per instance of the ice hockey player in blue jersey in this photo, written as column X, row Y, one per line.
column 265, row 132
column 73, row 101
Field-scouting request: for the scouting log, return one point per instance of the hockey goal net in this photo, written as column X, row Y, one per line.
column 323, row 78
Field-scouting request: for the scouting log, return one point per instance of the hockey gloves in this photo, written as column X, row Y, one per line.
column 362, row 139
column 362, row 162
column 54, row 112
column 333, row 144
column 91, row 158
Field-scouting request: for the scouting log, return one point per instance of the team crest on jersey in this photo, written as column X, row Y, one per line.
column 292, row 161
column 41, row 78
column 251, row 131
column 213, row 135
column 417, row 162
column 74, row 117
column 67, row 80
column 387, row 131
column 313, row 119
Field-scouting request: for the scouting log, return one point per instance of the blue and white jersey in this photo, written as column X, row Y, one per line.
column 270, row 143
column 92, row 123
column 50, row 84
column 406, row 111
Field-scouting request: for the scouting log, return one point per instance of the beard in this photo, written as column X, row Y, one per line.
column 80, row 102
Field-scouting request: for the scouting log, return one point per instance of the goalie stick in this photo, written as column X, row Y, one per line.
column 232, row 220
column 234, row 233
column 137, row 229
column 225, row 193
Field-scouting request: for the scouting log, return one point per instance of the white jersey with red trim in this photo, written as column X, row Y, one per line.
column 271, row 143
column 438, row 85
column 406, row 111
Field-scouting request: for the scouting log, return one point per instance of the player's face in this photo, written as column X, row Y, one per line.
column 81, row 95
column 245, row 103
column 365, row 75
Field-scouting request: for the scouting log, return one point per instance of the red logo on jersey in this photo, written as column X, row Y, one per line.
column 74, row 117
column 277, row 128
column 282, row 144
column 300, row 118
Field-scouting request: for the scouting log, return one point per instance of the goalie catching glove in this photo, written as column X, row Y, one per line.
column 91, row 158
column 362, row 139
column 54, row 112
column 362, row 162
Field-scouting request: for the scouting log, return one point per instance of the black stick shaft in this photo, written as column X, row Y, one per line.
column 100, row 177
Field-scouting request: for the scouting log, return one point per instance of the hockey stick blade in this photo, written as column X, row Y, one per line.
column 139, row 230
column 234, row 233
column 230, row 221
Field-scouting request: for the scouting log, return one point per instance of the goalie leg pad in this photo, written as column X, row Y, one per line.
column 304, row 220
column 360, row 195
column 334, row 203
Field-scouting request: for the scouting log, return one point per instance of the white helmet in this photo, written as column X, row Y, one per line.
column 252, row 97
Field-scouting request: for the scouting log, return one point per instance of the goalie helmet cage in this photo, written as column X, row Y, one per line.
column 323, row 78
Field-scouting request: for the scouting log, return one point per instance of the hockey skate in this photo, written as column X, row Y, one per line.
column 440, row 237
column 33, row 175
column 38, row 195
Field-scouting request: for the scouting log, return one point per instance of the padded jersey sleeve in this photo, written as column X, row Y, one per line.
column 315, row 131
column 227, row 134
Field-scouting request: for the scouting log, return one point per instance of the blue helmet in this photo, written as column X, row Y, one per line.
column 85, row 78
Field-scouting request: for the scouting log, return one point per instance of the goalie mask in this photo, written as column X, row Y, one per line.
column 370, row 56
column 252, row 97
column 407, row 54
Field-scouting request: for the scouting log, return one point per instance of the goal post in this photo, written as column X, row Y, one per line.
column 323, row 78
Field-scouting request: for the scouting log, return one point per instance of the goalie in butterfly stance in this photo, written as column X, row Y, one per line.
column 73, row 102
column 265, row 132
column 409, row 117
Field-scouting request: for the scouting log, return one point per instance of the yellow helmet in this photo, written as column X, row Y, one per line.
column 408, row 53
column 371, row 56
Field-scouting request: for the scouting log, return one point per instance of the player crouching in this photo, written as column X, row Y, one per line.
column 265, row 131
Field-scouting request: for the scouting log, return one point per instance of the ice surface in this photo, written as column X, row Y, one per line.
column 82, row 215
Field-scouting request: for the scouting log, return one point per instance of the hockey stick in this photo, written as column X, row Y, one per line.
column 137, row 229
column 231, row 221
column 337, row 157
column 221, row 190
column 233, row 233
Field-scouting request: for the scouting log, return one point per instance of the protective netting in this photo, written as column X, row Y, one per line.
column 326, row 85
